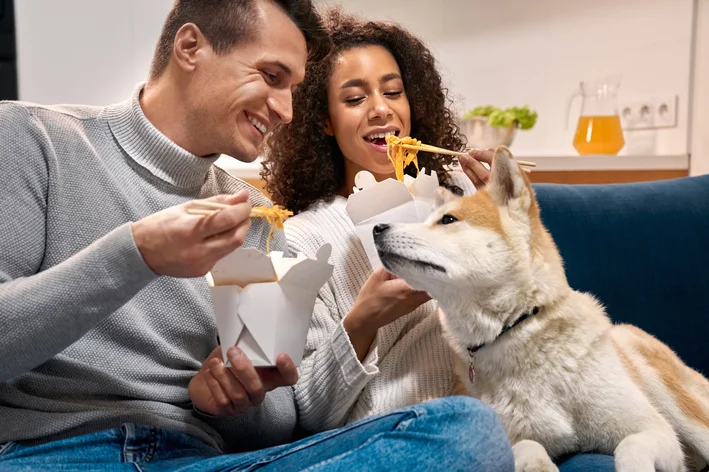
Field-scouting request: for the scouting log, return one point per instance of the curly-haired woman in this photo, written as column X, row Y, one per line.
column 375, row 344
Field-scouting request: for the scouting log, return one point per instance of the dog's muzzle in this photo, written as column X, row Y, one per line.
column 390, row 259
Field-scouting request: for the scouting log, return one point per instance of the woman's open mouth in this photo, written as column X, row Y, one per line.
column 378, row 139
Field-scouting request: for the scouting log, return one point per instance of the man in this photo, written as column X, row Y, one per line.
column 107, row 319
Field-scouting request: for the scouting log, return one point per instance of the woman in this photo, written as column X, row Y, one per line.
column 375, row 344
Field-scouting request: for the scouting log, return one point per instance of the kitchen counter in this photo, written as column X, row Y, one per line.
column 560, row 169
column 608, row 163
column 242, row 170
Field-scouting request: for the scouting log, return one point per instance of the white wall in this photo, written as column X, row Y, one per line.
column 85, row 51
column 699, row 163
column 504, row 52
column 512, row 52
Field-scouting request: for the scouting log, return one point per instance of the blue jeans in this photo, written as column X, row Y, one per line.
column 450, row 434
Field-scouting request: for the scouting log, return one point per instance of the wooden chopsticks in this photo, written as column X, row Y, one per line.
column 212, row 207
column 437, row 150
column 273, row 215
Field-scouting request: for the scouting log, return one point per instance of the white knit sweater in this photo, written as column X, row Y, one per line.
column 409, row 361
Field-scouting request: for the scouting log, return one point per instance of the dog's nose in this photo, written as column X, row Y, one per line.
column 379, row 229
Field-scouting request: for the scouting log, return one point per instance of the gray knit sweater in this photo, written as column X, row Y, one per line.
column 91, row 337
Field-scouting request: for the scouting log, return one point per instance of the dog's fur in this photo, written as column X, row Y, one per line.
column 565, row 380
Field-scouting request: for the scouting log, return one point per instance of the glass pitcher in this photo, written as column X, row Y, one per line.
column 598, row 130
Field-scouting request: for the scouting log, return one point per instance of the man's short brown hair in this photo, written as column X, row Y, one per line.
column 226, row 23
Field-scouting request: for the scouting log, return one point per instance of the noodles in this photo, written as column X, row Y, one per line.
column 274, row 216
column 400, row 156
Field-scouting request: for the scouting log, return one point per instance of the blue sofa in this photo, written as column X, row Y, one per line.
column 643, row 250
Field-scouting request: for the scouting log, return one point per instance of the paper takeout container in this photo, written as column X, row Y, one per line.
column 389, row 201
column 264, row 304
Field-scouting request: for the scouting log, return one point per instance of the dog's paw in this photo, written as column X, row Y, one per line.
column 531, row 456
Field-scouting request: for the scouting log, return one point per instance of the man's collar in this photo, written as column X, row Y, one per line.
column 151, row 149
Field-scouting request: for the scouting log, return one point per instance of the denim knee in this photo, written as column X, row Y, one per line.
column 461, row 409
column 471, row 431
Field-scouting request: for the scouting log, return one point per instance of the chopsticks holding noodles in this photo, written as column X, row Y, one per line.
column 209, row 208
column 437, row 150
column 402, row 152
column 274, row 215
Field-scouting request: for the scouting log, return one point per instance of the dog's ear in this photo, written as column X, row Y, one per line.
column 443, row 196
column 507, row 182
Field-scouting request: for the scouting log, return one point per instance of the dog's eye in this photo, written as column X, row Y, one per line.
column 447, row 219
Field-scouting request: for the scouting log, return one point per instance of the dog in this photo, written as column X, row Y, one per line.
column 547, row 358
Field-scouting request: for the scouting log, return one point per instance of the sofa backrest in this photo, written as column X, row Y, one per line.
column 643, row 250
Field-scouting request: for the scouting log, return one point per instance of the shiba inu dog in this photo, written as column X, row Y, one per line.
column 562, row 377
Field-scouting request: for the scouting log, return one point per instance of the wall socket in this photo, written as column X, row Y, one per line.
column 653, row 112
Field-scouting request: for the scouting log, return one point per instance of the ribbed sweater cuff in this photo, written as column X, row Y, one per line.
column 327, row 392
column 353, row 371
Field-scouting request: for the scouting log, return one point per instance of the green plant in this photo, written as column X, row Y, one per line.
column 521, row 117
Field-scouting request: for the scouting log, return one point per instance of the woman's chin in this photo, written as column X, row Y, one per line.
column 382, row 171
column 380, row 165
column 376, row 163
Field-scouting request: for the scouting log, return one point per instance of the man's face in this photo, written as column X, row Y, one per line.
column 238, row 97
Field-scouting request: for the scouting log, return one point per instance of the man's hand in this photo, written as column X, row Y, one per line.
column 176, row 243
column 220, row 390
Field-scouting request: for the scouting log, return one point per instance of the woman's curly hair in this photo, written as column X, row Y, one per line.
column 303, row 165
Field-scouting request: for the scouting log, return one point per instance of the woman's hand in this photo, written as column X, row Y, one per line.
column 473, row 168
column 220, row 390
column 382, row 299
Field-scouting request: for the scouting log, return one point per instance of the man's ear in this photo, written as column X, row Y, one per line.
column 443, row 196
column 188, row 42
column 328, row 127
column 507, row 181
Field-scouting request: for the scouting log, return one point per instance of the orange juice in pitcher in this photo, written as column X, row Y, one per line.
column 598, row 130
column 599, row 135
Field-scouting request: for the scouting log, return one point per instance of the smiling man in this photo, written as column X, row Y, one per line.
column 110, row 356
column 210, row 97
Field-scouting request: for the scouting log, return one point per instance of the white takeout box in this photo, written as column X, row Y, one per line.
column 389, row 201
column 263, row 304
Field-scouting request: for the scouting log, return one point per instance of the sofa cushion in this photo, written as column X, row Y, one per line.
column 643, row 250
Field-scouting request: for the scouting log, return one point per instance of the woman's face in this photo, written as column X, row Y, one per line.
column 366, row 102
